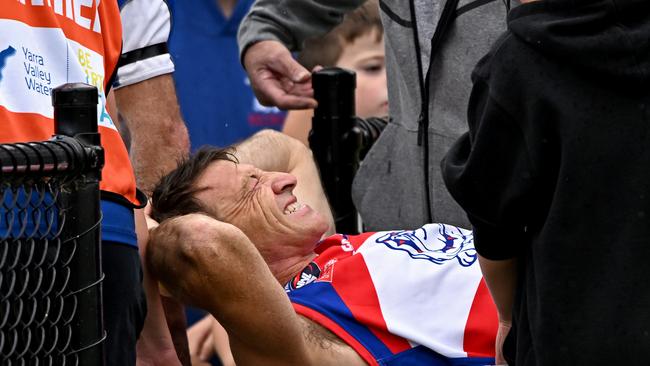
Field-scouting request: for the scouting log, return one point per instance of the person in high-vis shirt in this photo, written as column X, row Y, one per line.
column 71, row 41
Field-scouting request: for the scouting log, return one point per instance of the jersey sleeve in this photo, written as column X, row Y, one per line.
column 146, row 26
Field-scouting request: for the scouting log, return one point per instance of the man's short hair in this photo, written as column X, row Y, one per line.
column 326, row 50
column 175, row 193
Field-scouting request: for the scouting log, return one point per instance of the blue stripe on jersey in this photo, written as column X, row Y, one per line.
column 471, row 361
column 421, row 355
column 321, row 297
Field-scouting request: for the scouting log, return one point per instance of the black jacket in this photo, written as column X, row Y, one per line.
column 555, row 171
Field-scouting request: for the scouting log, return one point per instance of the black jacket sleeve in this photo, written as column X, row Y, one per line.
column 488, row 173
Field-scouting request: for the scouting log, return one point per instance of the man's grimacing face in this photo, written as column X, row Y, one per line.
column 261, row 204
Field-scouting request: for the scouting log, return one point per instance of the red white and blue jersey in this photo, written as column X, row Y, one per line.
column 401, row 297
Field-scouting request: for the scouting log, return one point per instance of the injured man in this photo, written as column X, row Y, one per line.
column 246, row 234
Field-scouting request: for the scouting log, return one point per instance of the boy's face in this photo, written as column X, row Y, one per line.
column 365, row 55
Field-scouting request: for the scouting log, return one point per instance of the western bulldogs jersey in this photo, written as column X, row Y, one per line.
column 401, row 297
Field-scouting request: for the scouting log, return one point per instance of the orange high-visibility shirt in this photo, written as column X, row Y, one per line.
column 46, row 43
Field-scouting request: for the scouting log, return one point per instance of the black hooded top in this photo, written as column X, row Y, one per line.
column 555, row 171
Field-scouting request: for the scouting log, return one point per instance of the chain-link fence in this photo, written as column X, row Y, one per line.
column 50, row 265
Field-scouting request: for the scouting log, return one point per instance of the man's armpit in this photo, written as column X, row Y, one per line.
column 317, row 335
column 327, row 347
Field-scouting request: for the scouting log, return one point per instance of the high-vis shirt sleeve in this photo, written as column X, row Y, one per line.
column 146, row 26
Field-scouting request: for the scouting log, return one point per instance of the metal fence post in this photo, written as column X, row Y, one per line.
column 75, row 115
column 334, row 145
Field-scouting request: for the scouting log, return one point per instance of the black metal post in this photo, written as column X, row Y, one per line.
column 75, row 115
column 334, row 143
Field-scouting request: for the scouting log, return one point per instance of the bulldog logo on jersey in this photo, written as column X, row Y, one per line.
column 447, row 243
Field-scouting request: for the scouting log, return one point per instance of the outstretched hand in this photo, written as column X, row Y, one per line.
column 207, row 338
column 276, row 78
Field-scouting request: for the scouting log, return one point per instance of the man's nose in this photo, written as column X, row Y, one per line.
column 281, row 182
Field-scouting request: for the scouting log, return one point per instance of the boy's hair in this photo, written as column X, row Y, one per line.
column 326, row 50
column 174, row 194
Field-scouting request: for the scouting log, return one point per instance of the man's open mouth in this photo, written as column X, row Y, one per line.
column 292, row 208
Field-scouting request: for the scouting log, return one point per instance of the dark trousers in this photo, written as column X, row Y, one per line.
column 125, row 306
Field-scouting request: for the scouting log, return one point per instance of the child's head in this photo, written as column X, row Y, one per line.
column 356, row 44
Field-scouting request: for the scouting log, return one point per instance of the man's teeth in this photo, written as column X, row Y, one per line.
column 293, row 208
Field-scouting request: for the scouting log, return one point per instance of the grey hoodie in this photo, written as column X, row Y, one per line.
column 389, row 189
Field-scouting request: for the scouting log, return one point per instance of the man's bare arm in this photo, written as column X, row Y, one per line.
column 158, row 134
column 214, row 266
column 276, row 152
column 501, row 279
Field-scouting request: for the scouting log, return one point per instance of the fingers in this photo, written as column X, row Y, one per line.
column 207, row 348
column 277, row 79
column 281, row 62
column 276, row 57
column 151, row 223
column 272, row 89
column 198, row 362
column 198, row 334
column 222, row 344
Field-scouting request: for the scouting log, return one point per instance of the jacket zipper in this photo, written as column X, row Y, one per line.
column 446, row 19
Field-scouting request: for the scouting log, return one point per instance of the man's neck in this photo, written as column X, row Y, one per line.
column 227, row 7
column 286, row 269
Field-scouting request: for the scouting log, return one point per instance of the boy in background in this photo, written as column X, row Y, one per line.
column 356, row 44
